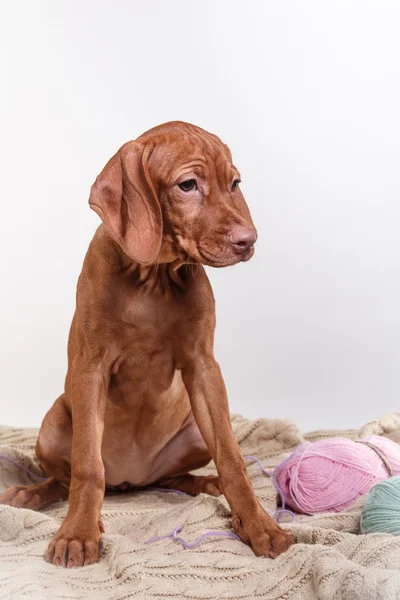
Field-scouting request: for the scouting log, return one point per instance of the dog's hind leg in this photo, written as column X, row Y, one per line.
column 53, row 449
column 192, row 484
column 35, row 496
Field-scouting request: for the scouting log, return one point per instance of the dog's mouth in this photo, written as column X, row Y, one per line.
column 205, row 254
column 213, row 260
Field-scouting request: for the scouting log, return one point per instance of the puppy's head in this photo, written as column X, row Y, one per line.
column 175, row 182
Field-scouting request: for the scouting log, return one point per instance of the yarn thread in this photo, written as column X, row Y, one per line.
column 23, row 468
column 189, row 545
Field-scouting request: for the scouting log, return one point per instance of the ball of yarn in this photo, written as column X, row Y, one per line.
column 381, row 512
column 329, row 475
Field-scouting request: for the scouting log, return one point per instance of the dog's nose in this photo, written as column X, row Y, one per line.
column 242, row 238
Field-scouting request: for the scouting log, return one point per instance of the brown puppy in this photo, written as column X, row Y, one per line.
column 144, row 398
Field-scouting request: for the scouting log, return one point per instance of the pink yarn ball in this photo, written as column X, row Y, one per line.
column 329, row 475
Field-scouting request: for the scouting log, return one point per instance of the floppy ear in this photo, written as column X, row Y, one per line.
column 124, row 198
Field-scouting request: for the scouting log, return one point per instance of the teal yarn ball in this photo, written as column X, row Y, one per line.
column 381, row 513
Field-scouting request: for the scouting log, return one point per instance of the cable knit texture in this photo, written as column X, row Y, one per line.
column 331, row 561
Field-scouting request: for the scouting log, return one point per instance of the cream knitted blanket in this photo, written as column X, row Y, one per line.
column 329, row 562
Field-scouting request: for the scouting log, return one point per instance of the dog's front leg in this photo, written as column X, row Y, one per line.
column 77, row 541
column 206, row 388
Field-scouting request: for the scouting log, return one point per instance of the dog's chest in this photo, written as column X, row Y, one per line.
column 152, row 317
column 157, row 314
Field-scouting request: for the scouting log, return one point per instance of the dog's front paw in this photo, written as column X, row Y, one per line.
column 75, row 544
column 263, row 534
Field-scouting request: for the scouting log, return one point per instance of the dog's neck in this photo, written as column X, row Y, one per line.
column 166, row 267
column 169, row 253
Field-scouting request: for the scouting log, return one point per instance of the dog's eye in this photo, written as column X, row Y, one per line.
column 188, row 186
column 235, row 184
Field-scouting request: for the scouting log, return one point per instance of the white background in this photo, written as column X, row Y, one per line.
column 307, row 95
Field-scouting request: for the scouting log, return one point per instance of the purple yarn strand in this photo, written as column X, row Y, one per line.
column 151, row 488
column 263, row 469
column 195, row 543
column 31, row 473
column 206, row 535
column 161, row 489
column 277, row 515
